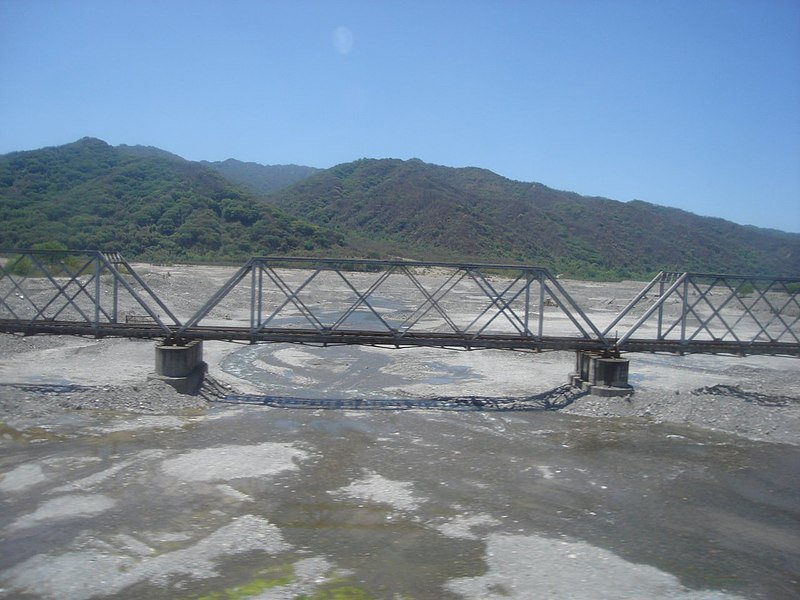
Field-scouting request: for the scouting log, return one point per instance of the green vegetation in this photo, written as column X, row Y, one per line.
column 261, row 179
column 143, row 202
column 268, row 579
column 55, row 259
column 334, row 588
column 152, row 205
column 338, row 592
column 417, row 210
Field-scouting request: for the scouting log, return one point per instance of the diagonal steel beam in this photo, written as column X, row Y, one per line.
column 496, row 299
column 574, row 308
column 75, row 278
column 293, row 297
column 217, row 297
column 432, row 301
column 364, row 299
column 60, row 289
column 716, row 312
column 110, row 260
column 679, row 281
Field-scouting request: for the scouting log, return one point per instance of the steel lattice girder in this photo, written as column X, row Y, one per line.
column 40, row 288
column 404, row 303
column 695, row 308
column 507, row 299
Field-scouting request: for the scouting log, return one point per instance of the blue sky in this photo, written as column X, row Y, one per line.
column 684, row 103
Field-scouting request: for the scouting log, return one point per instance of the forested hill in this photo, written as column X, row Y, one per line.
column 145, row 202
column 261, row 179
column 414, row 209
column 151, row 204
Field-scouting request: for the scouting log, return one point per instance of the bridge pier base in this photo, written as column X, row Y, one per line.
column 601, row 373
column 181, row 365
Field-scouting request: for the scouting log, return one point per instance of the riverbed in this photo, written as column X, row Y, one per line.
column 275, row 503
column 114, row 486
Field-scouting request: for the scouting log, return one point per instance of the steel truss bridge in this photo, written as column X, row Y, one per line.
column 396, row 304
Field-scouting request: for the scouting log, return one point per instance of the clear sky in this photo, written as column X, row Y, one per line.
column 687, row 103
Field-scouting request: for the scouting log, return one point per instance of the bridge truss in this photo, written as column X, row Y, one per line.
column 78, row 293
column 398, row 303
column 700, row 312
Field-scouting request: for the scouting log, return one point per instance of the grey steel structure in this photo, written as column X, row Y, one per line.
column 77, row 293
column 701, row 312
column 399, row 303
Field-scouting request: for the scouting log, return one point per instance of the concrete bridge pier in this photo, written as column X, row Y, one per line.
column 180, row 364
column 602, row 373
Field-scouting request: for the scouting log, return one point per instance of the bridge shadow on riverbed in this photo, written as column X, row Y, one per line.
column 213, row 391
column 553, row 399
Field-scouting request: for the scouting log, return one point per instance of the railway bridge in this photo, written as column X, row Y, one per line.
column 326, row 301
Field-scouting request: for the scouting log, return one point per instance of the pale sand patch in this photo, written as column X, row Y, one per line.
column 223, row 463
column 87, row 483
column 65, row 507
column 24, row 476
column 376, row 488
column 461, row 526
column 83, row 361
column 295, row 358
column 233, row 493
column 103, row 573
column 526, row 567
column 144, row 422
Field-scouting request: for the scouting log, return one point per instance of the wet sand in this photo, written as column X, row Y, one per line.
column 385, row 504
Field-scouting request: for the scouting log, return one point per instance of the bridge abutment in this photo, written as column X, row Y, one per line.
column 601, row 373
column 181, row 365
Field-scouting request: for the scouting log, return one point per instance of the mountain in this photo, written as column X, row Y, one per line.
column 153, row 205
column 143, row 201
column 261, row 179
column 418, row 210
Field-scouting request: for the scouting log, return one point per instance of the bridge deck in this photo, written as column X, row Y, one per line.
column 388, row 339
column 305, row 336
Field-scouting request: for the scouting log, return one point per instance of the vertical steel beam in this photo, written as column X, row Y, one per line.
column 115, row 300
column 659, row 335
column 527, row 301
column 97, row 294
column 260, row 293
column 253, row 269
column 684, row 309
column 540, row 327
